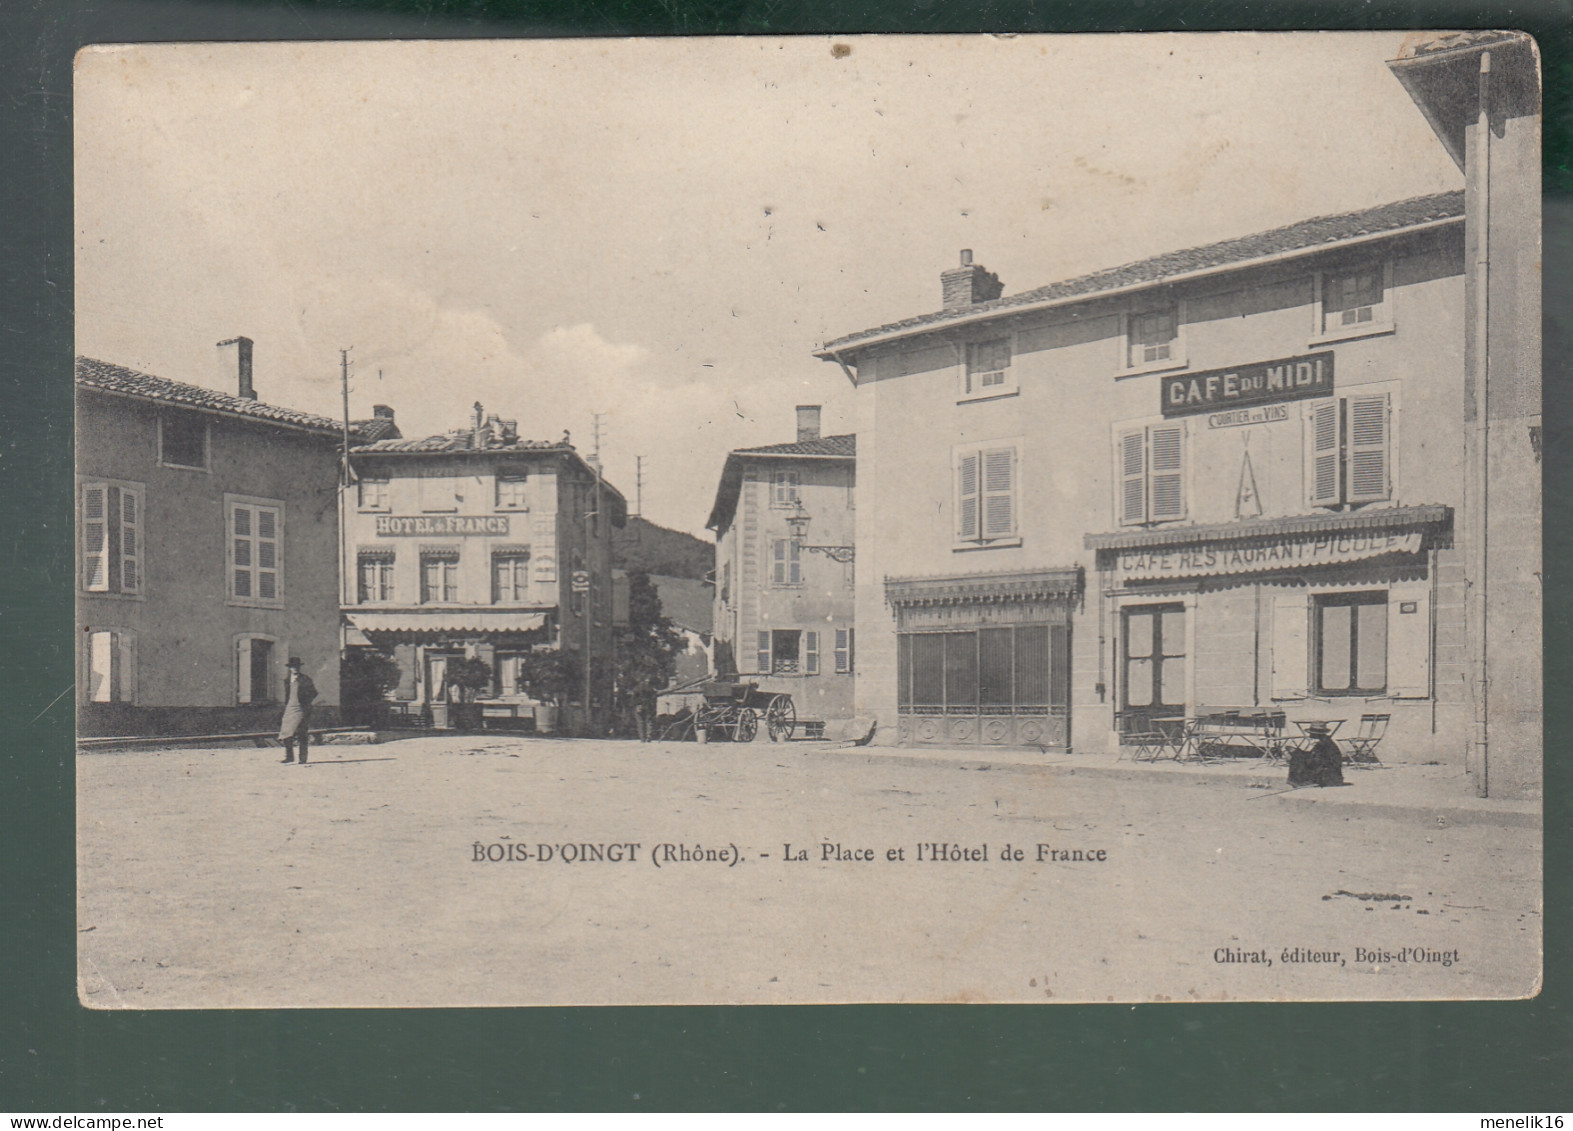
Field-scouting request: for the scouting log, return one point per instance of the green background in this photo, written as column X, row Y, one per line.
column 57, row 1057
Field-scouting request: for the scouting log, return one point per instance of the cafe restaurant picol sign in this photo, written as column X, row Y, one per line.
column 1298, row 552
column 1243, row 386
column 441, row 525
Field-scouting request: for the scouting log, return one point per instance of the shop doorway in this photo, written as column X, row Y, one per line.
column 1153, row 645
column 436, row 672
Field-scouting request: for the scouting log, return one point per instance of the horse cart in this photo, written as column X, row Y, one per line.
column 734, row 712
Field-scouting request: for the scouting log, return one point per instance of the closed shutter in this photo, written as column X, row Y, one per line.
column 267, row 553
column 95, row 538
column 487, row 654
column 1290, row 654
column 1321, row 453
column 126, row 692
column 101, row 667
column 1166, row 472
column 999, row 493
column 243, row 670
column 1132, row 456
column 130, row 541
column 762, row 654
column 811, row 653
column 967, row 497
column 778, row 566
column 1409, row 642
column 1368, row 448
column 404, row 657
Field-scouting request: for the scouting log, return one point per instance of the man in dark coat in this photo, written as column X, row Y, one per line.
column 299, row 694
column 1321, row 765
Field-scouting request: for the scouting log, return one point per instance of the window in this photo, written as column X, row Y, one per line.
column 256, row 681
column 1350, row 643
column 510, row 578
column 844, row 649
column 784, row 645
column 111, row 526
column 111, row 666
column 810, row 653
column 985, row 494
column 784, row 489
column 1354, row 302
column 376, row 576
column 1154, row 665
column 1013, row 669
column 786, row 562
column 510, row 673
column 373, row 494
column 183, row 440
column 1348, row 442
column 1153, row 341
column 1151, row 473
column 511, row 493
column 256, row 555
column 438, row 495
column 988, row 372
column 439, row 578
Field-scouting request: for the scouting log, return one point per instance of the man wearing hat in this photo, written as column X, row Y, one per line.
column 299, row 694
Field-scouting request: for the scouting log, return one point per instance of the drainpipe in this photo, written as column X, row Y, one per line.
column 1479, row 590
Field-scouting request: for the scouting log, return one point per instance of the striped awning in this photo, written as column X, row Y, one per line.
column 984, row 588
column 446, row 620
column 1384, row 518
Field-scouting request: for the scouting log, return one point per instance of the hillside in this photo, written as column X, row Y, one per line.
column 642, row 546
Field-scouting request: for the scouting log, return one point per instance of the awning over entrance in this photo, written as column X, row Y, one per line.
column 1385, row 518
column 983, row 588
column 447, row 620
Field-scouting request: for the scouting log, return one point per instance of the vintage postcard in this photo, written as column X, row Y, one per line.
column 871, row 519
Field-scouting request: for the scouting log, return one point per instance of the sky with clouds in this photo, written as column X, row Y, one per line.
column 664, row 230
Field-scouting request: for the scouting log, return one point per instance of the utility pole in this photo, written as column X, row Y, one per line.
column 346, row 575
column 591, row 527
column 638, row 486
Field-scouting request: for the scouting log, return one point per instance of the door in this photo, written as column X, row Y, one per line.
column 1154, row 666
column 437, row 687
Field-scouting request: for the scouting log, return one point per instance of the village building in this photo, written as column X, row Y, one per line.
column 477, row 543
column 1221, row 479
column 1480, row 91
column 207, row 552
column 783, row 518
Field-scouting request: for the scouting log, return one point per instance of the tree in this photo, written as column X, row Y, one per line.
column 365, row 676
column 550, row 677
column 469, row 676
column 648, row 647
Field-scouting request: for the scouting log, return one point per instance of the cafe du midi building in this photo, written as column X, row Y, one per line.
column 1221, row 478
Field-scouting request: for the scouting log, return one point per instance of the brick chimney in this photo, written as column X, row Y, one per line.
column 807, row 422
column 968, row 284
column 234, row 355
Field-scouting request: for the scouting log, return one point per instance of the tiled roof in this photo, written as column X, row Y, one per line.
column 372, row 431
column 846, row 446
column 1453, row 40
column 461, row 441
column 118, row 380
column 1303, row 236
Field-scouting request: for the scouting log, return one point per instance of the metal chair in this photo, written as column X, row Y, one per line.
column 1361, row 746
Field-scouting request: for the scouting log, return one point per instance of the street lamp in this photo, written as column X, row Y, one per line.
column 798, row 520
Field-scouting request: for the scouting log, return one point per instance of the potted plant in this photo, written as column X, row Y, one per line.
column 468, row 677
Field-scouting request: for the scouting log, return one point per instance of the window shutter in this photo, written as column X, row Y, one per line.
column 1368, row 448
column 795, row 558
column 1409, row 642
column 999, row 493
column 1321, row 454
column 100, row 667
column 1290, row 654
column 967, row 497
column 130, row 541
column 762, row 657
column 811, row 653
column 95, row 538
column 841, row 650
column 1133, row 476
column 127, row 691
column 1167, row 473
column 778, row 568
column 267, row 553
column 243, row 670
column 404, row 656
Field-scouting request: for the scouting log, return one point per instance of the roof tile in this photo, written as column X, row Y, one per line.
column 119, row 380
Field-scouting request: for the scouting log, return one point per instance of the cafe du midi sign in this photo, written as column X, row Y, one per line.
column 1248, row 394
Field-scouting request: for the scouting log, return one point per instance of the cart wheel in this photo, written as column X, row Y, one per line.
column 747, row 726
column 780, row 718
